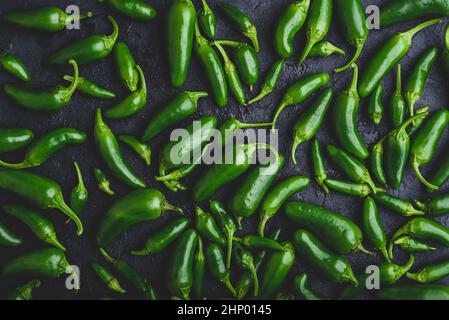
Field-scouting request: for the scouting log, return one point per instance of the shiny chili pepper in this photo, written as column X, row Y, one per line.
column 160, row 240
column 301, row 288
column 7, row 238
column 256, row 242
column 438, row 206
column 143, row 150
column 110, row 151
column 199, row 269
column 317, row 25
column 50, row 19
column 335, row 230
column 206, row 225
column 350, row 188
column 216, row 262
column 430, row 273
column 88, row 49
column 446, row 48
column 398, row 103
column 375, row 105
column 79, row 194
column 301, row 90
column 376, row 161
column 271, row 81
column 276, row 270
column 14, row 139
column 324, row 49
column 136, row 207
column 244, row 259
column 318, row 166
column 346, row 108
column 411, row 245
column 180, row 280
column 353, row 168
column 418, row 292
column 331, row 265
column 130, row 274
column 103, row 182
column 310, row 121
column 25, row 292
column 133, row 8
column 388, row 56
column 276, row 198
column 374, row 230
column 355, row 28
column 441, row 175
column 38, row 224
column 207, row 20
column 397, row 205
column 241, row 21
column 126, row 66
column 181, row 107
column 289, row 24
column 44, row 148
column 107, row 277
column 42, row 192
column 91, row 89
column 15, row 66
column 43, row 100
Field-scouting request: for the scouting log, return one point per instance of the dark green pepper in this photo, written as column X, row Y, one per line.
column 216, row 262
column 103, row 182
column 374, row 230
column 133, row 8
column 413, row 246
column 91, row 89
column 79, row 194
column 438, row 206
column 107, row 277
column 430, row 273
column 199, row 269
column 7, row 238
column 207, row 20
column 397, row 205
column 207, row 227
column 126, row 66
column 350, row 188
column 441, row 175
column 376, row 161
column 244, row 259
column 15, row 66
column 142, row 150
column 14, row 139
column 25, row 292
column 375, row 105
column 398, row 103
column 271, row 81
column 415, row 292
column 319, row 169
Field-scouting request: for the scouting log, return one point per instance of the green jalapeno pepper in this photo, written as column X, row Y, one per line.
column 244, row 259
column 91, row 89
column 415, row 292
column 107, row 277
column 376, row 161
column 50, row 19
column 430, row 273
column 143, row 150
column 206, row 225
column 181, row 107
column 42, row 192
column 350, row 188
column 388, row 56
column 310, row 121
column 103, row 182
column 324, row 49
column 207, row 20
column 110, row 151
column 136, row 207
column 355, row 28
column 14, row 139
column 289, row 24
column 256, row 242
column 397, row 205
column 335, row 230
column 398, row 103
column 301, row 90
column 271, row 81
column 375, row 105
column 133, row 8
column 79, row 194
column 276, row 270
column 301, row 288
column 319, row 169
column 7, row 238
column 446, row 49
column 41, row 150
column 346, row 108
column 126, row 66
column 374, row 230
column 438, row 206
column 15, row 66
column 314, row 252
column 163, row 238
column 88, row 49
column 413, row 246
column 199, row 269
column 241, row 22
column 216, row 262
column 441, row 175
column 44, row 100
column 25, row 292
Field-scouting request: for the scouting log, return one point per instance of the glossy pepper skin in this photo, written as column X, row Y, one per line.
column 206, row 226
column 373, row 228
column 7, row 238
column 244, row 259
column 52, row 99
column 141, row 149
column 430, row 273
column 270, row 81
column 375, row 105
column 440, row 176
column 107, row 277
column 199, row 269
column 103, row 182
column 126, row 66
column 241, row 21
column 216, row 262
column 300, row 91
column 51, row 19
column 79, row 194
column 49, row 144
column 207, row 20
column 24, row 293
column 136, row 207
column 355, row 28
column 182, row 106
column 289, row 24
column 335, row 230
column 180, row 22
column 413, row 246
column 376, row 161
column 91, row 89
column 417, row 292
column 88, row 49
column 397, row 205
column 257, row 242
column 42, row 192
column 319, row 169
column 310, row 121
column 160, row 240
column 301, row 287
column 397, row 102
column 387, row 57
column 110, row 151
column 332, row 266
column 346, row 108
column 438, row 206
column 350, row 188
column 14, row 139
column 277, row 196
column 324, row 49
column 135, row 9
column 446, row 49
column 15, row 66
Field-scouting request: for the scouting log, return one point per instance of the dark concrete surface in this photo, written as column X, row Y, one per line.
column 147, row 44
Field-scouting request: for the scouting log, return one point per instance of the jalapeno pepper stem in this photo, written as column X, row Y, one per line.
column 421, row 205
column 59, row 203
column 404, row 269
column 106, row 256
column 281, row 108
column 76, row 75
column 415, row 166
column 295, row 146
column 419, row 27
column 254, row 125
column 143, row 85
column 22, row 165
column 385, row 254
column 71, row 18
column 53, row 240
column 365, row 251
column 262, row 224
column 115, row 285
column 230, row 236
column 205, row 5
column 263, row 93
column 359, row 47
column 228, row 284
column 110, row 40
column 228, row 43
column 351, row 278
column 196, row 95
column 253, row 272
column 402, row 231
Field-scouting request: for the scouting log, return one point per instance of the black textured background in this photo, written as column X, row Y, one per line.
column 147, row 44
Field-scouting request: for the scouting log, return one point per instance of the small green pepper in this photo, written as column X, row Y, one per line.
column 430, row 273
column 398, row 103
column 25, row 292
column 107, row 277
column 15, row 66
column 133, row 8
column 143, row 150
column 271, row 81
column 14, row 139
column 126, row 66
column 441, row 175
column 257, row 242
column 216, row 262
column 324, row 49
column 79, row 194
column 413, row 246
column 208, row 228
column 397, row 205
column 418, row 292
column 7, row 238
column 374, row 230
column 375, row 105
column 207, row 21
column 103, row 182
column 318, row 165
column 350, row 188
column 91, row 89
column 376, row 161
column 438, row 206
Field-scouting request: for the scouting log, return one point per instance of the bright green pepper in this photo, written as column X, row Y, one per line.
column 15, row 66
column 438, row 206
column 375, row 106
column 107, row 277
column 413, row 246
column 318, row 166
column 207, row 20
column 374, row 230
column 271, row 81
column 126, row 66
column 143, row 150
column 398, row 103
column 14, row 139
column 430, row 273
column 7, row 238
column 324, row 49
column 79, row 194
column 133, row 8
column 103, row 182
column 25, row 292
column 397, row 205
column 91, row 89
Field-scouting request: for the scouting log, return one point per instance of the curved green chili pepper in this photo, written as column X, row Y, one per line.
column 107, row 277
column 411, row 245
column 415, row 292
column 50, row 19
column 276, row 270
column 441, row 175
column 241, row 22
column 289, row 24
column 301, row 90
column 244, row 259
column 207, row 21
column 398, row 103
column 430, row 273
column 271, row 81
column 126, row 66
column 388, row 56
column 438, row 206
column 199, row 269
column 276, row 198
column 103, row 182
column 335, row 230
column 332, row 266
column 355, row 28
column 376, row 161
column 256, row 242
column 44, row 148
column 25, row 292
column 318, row 165
column 143, row 150
column 397, row 205
column 350, row 188
column 310, row 121
column 38, row 224
column 44, row 100
column 7, row 238
column 375, row 105
column 346, row 108
column 163, row 238
column 88, row 49
column 14, row 139
column 15, row 66
column 301, row 288
column 136, row 207
column 42, row 192
column 324, row 49
column 133, row 8
column 91, row 89
column 110, row 151
column 216, row 262
column 206, row 225
column 374, row 230
column 79, row 194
